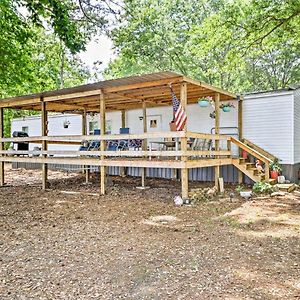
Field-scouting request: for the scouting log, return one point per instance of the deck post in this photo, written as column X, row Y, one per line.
column 144, row 145
column 86, row 169
column 184, row 171
column 103, row 143
column 44, row 120
column 240, row 129
column 1, row 146
column 123, row 125
column 217, row 131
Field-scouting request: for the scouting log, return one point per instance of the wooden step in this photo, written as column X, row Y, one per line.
column 243, row 160
column 249, row 165
column 254, row 170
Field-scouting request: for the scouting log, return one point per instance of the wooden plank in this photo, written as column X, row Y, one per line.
column 124, row 153
column 94, row 92
column 207, row 136
column 123, row 125
column 217, row 130
column 86, row 170
column 103, row 143
column 98, row 162
column 221, row 185
column 145, row 142
column 259, row 149
column 209, row 162
column 251, row 151
column 44, row 125
column 209, row 87
column 2, row 181
column 184, row 171
column 7, row 103
column 142, row 85
column 149, row 135
column 240, row 118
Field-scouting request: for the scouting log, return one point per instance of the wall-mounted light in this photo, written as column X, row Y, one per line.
column 141, row 118
column 67, row 124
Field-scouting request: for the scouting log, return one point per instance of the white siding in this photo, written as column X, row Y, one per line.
column 268, row 122
column 198, row 121
column 297, row 126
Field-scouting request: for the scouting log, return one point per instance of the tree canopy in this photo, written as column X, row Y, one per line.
column 240, row 45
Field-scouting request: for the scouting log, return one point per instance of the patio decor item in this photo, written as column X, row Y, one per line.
column 275, row 169
column 226, row 107
column 205, row 101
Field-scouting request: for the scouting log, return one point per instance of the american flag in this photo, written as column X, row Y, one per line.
column 178, row 111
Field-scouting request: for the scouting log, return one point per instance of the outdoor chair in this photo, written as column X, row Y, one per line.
column 200, row 145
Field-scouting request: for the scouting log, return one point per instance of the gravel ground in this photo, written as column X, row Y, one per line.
column 133, row 244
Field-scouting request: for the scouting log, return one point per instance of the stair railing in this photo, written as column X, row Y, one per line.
column 266, row 160
column 259, row 149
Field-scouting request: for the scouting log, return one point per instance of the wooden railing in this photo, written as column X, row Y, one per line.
column 77, row 139
column 259, row 149
column 266, row 160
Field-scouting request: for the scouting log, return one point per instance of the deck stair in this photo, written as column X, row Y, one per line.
column 248, row 167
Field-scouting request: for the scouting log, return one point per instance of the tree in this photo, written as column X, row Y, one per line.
column 237, row 45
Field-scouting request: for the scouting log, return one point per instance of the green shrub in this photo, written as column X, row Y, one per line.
column 263, row 188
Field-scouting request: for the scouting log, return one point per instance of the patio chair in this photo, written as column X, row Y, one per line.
column 198, row 145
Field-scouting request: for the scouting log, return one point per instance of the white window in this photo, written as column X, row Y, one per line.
column 92, row 126
column 25, row 129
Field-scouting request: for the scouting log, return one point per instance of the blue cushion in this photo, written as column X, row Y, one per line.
column 124, row 130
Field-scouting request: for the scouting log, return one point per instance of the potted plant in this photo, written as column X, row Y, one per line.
column 226, row 107
column 275, row 169
column 204, row 102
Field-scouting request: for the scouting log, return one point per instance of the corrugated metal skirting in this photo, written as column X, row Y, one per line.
column 229, row 173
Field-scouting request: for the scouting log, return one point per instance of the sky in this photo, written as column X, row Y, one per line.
column 99, row 49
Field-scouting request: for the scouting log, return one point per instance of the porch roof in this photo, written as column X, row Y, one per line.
column 120, row 94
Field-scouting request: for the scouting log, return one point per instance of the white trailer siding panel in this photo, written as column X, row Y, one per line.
column 269, row 122
column 297, row 126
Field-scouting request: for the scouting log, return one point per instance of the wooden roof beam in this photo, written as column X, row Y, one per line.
column 209, row 87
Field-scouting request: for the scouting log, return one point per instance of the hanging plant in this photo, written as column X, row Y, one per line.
column 226, row 107
column 205, row 101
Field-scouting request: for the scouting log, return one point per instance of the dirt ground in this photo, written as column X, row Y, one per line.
column 135, row 244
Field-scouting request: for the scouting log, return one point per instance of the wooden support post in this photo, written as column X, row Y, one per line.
column 1, row 146
column 184, row 171
column 123, row 118
column 240, row 130
column 217, row 131
column 123, row 125
column 102, row 145
column 86, row 169
column 240, row 118
column 144, row 146
column 44, row 124
column 229, row 147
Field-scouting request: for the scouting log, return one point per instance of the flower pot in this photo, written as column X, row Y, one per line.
column 274, row 174
column 226, row 109
column 172, row 126
column 245, row 154
column 203, row 103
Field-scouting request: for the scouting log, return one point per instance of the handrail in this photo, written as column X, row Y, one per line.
column 107, row 137
column 120, row 153
column 250, row 150
column 257, row 148
column 207, row 136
